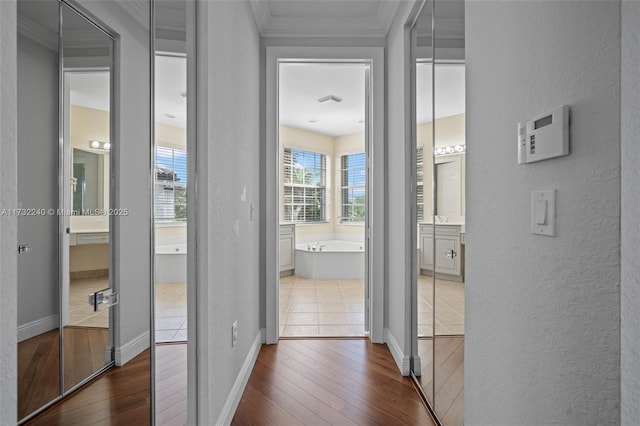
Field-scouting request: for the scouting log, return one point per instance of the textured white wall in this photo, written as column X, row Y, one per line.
column 630, row 359
column 8, row 225
column 398, row 320
column 228, row 159
column 542, row 317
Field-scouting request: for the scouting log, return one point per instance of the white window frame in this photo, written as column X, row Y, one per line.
column 169, row 185
column 342, row 187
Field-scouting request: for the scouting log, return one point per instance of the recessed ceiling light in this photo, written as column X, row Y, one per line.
column 183, row 94
column 171, row 116
column 313, row 120
column 332, row 98
column 361, row 121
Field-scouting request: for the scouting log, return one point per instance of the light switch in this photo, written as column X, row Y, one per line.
column 543, row 212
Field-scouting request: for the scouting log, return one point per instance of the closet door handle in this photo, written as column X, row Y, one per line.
column 451, row 254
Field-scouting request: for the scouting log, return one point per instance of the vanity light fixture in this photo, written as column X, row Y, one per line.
column 452, row 149
column 100, row 145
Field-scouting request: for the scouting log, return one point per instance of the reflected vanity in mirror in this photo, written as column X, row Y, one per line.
column 65, row 63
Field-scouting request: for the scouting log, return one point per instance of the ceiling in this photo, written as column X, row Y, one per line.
column 302, row 84
column 89, row 89
column 300, row 87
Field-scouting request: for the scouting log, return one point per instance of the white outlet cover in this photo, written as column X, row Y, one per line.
column 540, row 200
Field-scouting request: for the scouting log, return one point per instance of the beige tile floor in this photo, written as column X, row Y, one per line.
column 80, row 311
column 171, row 308
column 171, row 312
column 449, row 307
column 312, row 308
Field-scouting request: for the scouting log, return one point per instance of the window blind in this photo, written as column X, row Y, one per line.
column 353, row 187
column 170, row 186
column 420, row 183
column 305, row 175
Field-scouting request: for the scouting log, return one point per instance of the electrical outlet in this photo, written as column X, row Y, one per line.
column 234, row 333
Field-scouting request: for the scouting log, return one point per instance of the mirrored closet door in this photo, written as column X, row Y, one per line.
column 65, row 122
column 439, row 77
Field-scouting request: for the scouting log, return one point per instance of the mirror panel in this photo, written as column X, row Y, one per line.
column 448, row 156
column 38, row 193
column 86, row 63
column 422, row 52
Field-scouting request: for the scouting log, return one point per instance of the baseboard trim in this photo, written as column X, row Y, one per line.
column 231, row 404
column 132, row 348
column 403, row 361
column 37, row 327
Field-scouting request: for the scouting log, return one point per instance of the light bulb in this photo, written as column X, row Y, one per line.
column 106, row 145
column 95, row 144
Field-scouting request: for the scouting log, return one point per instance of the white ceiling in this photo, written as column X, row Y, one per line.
column 449, row 91
column 90, row 89
column 171, row 82
column 301, row 85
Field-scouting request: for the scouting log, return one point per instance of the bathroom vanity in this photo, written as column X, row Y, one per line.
column 449, row 250
column 287, row 249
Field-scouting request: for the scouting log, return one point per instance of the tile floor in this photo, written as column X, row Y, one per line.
column 449, row 307
column 81, row 313
column 308, row 308
column 313, row 308
column 171, row 312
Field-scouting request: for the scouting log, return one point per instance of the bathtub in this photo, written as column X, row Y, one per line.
column 334, row 260
column 171, row 263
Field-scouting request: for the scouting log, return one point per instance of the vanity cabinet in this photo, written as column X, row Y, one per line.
column 287, row 249
column 449, row 252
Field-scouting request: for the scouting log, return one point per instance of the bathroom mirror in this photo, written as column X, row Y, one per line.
column 89, row 181
column 449, row 187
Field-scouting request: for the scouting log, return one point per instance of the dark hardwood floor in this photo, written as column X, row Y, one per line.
column 121, row 396
column 329, row 381
column 84, row 353
column 38, row 371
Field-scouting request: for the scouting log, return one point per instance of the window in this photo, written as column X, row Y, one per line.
column 353, row 186
column 420, row 184
column 170, row 186
column 305, row 176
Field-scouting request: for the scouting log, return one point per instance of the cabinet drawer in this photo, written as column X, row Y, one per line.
column 92, row 238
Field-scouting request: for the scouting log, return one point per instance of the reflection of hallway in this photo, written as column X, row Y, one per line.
column 449, row 307
column 312, row 308
column 171, row 312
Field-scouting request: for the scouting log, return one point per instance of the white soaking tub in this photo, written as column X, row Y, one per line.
column 330, row 260
column 171, row 263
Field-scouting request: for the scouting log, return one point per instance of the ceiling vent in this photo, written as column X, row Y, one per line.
column 332, row 98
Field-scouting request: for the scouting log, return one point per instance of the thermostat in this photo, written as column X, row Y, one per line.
column 545, row 136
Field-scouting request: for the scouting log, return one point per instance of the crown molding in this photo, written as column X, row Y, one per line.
column 271, row 26
column 138, row 9
column 37, row 33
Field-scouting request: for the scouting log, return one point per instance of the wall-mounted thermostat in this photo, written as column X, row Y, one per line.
column 545, row 136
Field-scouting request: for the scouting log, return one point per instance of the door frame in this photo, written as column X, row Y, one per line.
column 376, row 198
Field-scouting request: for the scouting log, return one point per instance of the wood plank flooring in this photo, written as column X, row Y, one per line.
column 84, row 353
column 121, row 396
column 38, row 371
column 329, row 381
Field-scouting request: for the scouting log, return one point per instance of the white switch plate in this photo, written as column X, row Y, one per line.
column 549, row 226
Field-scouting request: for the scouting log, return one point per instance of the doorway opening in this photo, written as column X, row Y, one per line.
column 322, row 198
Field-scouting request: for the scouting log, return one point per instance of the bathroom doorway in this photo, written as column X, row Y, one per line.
column 322, row 163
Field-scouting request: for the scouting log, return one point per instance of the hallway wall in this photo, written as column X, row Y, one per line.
column 543, row 313
column 228, row 161
column 630, row 345
column 8, row 225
